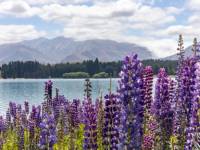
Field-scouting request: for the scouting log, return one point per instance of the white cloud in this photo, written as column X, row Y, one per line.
column 101, row 10
column 18, row 8
column 193, row 5
column 107, row 19
column 16, row 33
column 187, row 30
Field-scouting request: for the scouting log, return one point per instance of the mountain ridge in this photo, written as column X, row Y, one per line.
column 188, row 53
column 61, row 49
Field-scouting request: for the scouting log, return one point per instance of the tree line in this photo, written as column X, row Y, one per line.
column 34, row 69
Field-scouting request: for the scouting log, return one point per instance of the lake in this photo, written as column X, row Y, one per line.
column 32, row 90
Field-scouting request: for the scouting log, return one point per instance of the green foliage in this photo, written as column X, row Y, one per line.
column 26, row 139
column 100, row 125
column 76, row 75
column 33, row 69
column 88, row 88
column 101, row 75
column 169, row 65
column 79, row 137
column 11, row 141
column 66, row 142
column 64, row 145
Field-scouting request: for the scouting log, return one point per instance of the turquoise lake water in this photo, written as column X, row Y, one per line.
column 32, row 90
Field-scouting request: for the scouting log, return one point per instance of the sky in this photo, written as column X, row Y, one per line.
column 154, row 24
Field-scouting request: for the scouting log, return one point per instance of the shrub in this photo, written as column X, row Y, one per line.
column 101, row 75
column 76, row 75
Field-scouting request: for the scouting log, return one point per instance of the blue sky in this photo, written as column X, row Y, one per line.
column 155, row 24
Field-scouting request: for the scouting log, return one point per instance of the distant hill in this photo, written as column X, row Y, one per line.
column 61, row 49
column 188, row 52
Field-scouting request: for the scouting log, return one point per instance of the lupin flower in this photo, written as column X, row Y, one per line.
column 88, row 89
column 19, row 109
column 196, row 108
column 26, row 106
column 13, row 109
column 179, row 106
column 58, row 105
column 184, row 104
column 162, row 109
column 111, row 122
column 100, row 122
column 192, row 130
column 35, row 115
column 172, row 92
column 131, row 94
column 48, row 132
column 149, row 136
column 48, row 89
column 90, row 122
column 148, row 83
column 48, row 95
column 2, row 125
column 74, row 112
column 20, row 135
column 65, row 117
column 8, row 118
column 24, row 118
column 1, row 143
column 31, row 126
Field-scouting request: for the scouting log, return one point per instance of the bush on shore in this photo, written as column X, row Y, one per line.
column 76, row 75
column 101, row 75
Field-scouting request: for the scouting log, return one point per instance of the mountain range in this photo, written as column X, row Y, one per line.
column 62, row 49
column 188, row 52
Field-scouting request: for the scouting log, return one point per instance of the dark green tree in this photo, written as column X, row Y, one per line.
column 88, row 89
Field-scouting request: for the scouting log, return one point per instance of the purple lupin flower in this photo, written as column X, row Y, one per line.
column 8, row 118
column 196, row 108
column 58, row 105
column 184, row 104
column 13, row 109
column 31, row 126
column 148, row 82
column 162, row 109
column 48, row 132
column 172, row 93
column 111, row 122
column 178, row 130
column 24, row 119
column 90, row 121
column 100, row 121
column 192, row 130
column 44, row 107
column 1, row 143
column 35, row 115
column 48, row 89
column 26, row 106
column 179, row 104
column 19, row 109
column 66, row 116
column 48, row 95
column 20, row 135
column 13, row 112
column 148, row 139
column 131, row 94
column 74, row 112
column 2, row 125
